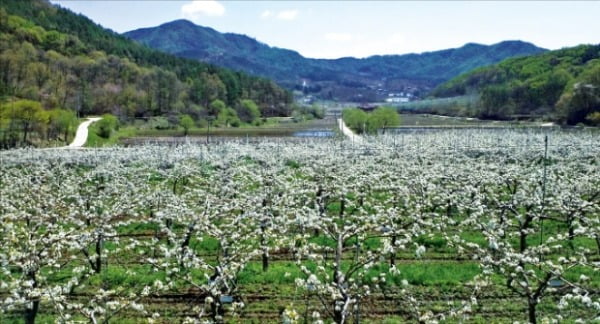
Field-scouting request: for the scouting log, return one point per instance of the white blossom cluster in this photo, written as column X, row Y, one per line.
column 63, row 215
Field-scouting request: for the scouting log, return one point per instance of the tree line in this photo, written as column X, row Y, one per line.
column 63, row 61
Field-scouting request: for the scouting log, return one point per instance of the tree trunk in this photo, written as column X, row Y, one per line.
column 188, row 236
column 338, row 260
column 98, row 266
column 522, row 242
column 265, row 254
column 338, row 312
column 523, row 235
column 338, row 315
column 306, row 308
column 25, row 132
column 216, row 310
column 571, row 234
column 265, row 261
column 532, row 304
column 393, row 253
column 31, row 313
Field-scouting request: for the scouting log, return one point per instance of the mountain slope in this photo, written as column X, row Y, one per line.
column 83, row 37
column 373, row 77
column 55, row 65
column 562, row 84
column 240, row 52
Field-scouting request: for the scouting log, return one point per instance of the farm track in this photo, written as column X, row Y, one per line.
column 82, row 133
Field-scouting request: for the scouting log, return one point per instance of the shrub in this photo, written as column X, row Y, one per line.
column 107, row 125
column 594, row 118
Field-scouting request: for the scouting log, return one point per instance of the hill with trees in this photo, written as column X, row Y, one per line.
column 55, row 64
column 562, row 85
column 347, row 79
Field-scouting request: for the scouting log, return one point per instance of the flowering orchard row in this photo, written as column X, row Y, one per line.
column 347, row 216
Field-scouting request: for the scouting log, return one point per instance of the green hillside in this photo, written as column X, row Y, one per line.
column 562, row 85
column 52, row 59
column 345, row 79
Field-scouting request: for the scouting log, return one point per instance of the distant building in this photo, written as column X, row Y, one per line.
column 397, row 99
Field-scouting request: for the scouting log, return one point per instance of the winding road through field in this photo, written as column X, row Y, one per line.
column 82, row 133
column 348, row 132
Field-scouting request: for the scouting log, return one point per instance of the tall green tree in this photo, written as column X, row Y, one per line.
column 355, row 119
column 216, row 106
column 61, row 122
column 496, row 102
column 248, row 111
column 211, row 88
column 186, row 122
column 228, row 117
column 383, row 117
column 27, row 114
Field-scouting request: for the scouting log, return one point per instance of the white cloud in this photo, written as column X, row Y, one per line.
column 266, row 14
column 195, row 9
column 338, row 37
column 287, row 14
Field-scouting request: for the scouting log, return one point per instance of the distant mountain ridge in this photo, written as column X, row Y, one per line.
column 344, row 78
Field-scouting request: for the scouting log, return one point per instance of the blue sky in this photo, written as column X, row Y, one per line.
column 332, row 29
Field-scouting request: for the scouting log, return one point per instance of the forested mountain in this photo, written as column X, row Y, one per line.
column 55, row 59
column 563, row 85
column 348, row 78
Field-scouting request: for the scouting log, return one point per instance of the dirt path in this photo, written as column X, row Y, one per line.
column 349, row 133
column 82, row 133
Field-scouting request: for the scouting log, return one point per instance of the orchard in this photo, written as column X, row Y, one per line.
column 443, row 226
